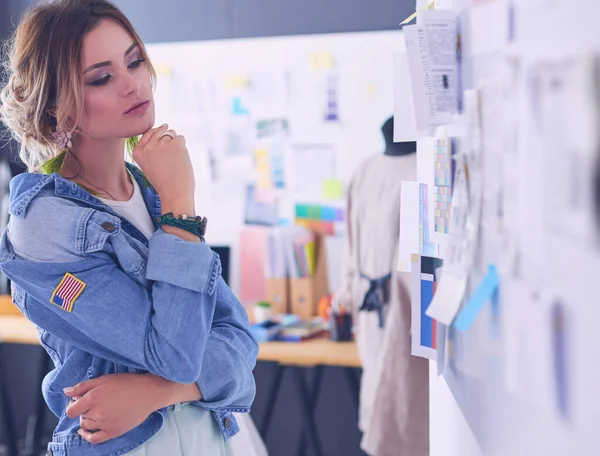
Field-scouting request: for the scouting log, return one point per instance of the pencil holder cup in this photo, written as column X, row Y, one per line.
column 341, row 327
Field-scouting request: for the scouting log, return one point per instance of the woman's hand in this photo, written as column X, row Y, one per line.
column 166, row 163
column 112, row 405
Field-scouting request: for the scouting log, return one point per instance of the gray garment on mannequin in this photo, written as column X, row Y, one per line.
column 394, row 397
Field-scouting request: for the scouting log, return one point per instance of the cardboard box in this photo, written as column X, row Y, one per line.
column 278, row 295
column 306, row 292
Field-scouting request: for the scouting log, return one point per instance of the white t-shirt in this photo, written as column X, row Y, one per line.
column 134, row 210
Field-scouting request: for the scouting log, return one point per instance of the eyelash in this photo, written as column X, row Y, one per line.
column 102, row 81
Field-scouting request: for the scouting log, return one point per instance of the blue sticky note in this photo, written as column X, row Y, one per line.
column 237, row 108
column 328, row 214
column 482, row 295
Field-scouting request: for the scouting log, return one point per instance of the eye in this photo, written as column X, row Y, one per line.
column 136, row 63
column 102, row 81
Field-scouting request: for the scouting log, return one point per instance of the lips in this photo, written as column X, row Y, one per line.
column 140, row 106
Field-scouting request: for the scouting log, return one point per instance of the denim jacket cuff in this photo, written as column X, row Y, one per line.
column 184, row 264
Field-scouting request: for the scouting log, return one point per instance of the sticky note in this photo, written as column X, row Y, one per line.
column 314, row 212
column 484, row 292
column 371, row 89
column 236, row 81
column 301, row 211
column 333, row 189
column 321, row 61
column 328, row 214
column 163, row 69
column 237, row 107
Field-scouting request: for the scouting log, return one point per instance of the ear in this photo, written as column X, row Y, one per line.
column 51, row 111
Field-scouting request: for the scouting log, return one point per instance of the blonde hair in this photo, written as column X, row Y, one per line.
column 42, row 65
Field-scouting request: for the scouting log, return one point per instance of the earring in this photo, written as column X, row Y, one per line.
column 62, row 138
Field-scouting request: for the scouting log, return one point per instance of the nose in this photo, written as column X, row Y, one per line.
column 129, row 84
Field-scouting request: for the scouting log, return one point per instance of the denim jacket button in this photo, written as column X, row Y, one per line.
column 108, row 226
column 227, row 423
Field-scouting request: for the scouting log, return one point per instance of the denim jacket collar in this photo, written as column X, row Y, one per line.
column 25, row 187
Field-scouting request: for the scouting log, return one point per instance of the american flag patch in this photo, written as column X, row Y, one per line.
column 67, row 291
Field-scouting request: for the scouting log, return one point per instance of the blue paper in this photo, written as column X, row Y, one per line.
column 482, row 295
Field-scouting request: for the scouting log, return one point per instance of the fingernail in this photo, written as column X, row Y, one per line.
column 79, row 432
column 69, row 389
column 165, row 125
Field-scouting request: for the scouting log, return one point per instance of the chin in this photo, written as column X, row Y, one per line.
column 141, row 126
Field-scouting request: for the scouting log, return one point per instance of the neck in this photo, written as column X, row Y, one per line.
column 100, row 165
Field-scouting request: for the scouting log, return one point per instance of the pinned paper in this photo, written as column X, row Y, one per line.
column 237, row 81
column 560, row 350
column 485, row 291
column 430, row 5
column 333, row 189
column 321, row 61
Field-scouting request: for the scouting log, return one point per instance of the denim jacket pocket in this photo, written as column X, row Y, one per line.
column 94, row 229
column 19, row 298
column 102, row 232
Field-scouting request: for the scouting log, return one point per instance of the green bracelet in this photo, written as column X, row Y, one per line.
column 193, row 224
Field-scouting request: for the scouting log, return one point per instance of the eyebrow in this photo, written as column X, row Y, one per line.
column 107, row 63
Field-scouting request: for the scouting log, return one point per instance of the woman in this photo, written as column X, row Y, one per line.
column 153, row 352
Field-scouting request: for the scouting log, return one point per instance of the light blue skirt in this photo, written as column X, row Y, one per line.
column 188, row 430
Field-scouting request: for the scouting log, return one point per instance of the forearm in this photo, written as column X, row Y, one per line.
column 166, row 393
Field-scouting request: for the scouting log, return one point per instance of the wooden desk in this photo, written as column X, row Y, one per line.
column 7, row 307
column 311, row 353
column 16, row 329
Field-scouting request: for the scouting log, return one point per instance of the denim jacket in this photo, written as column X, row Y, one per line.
column 107, row 300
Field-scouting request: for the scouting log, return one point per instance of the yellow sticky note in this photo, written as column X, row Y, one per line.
column 263, row 181
column 333, row 189
column 163, row 69
column 371, row 89
column 322, row 61
column 236, row 81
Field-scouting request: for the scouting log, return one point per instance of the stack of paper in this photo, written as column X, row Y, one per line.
column 276, row 267
column 303, row 252
column 291, row 251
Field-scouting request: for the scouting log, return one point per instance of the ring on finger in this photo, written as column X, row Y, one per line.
column 169, row 133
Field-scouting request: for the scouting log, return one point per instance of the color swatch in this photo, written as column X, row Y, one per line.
column 443, row 185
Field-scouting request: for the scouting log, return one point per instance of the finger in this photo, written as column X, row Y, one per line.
column 180, row 138
column 82, row 388
column 170, row 134
column 78, row 408
column 160, row 131
column 148, row 135
column 89, row 424
column 95, row 437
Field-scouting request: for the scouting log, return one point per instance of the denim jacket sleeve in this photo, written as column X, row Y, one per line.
column 226, row 380
column 165, row 330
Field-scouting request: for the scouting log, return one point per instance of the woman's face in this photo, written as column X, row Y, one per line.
column 118, row 100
